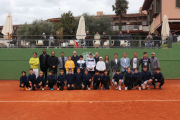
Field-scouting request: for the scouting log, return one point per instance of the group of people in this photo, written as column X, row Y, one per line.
column 78, row 74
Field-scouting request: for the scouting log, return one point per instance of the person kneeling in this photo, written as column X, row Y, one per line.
column 158, row 77
column 60, row 80
column 32, row 80
column 78, row 80
column 23, row 81
column 146, row 78
column 137, row 79
column 106, row 80
column 87, row 80
column 51, row 79
column 96, row 80
column 41, row 81
column 70, row 80
column 128, row 79
column 118, row 77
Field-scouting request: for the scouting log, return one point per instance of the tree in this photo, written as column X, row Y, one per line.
column 120, row 8
column 67, row 23
column 95, row 24
column 37, row 27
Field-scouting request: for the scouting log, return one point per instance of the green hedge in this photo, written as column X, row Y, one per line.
column 13, row 61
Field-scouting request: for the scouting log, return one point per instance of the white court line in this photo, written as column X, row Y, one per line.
column 90, row 101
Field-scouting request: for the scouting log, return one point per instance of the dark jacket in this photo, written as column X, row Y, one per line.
column 44, row 61
column 23, row 79
column 145, row 62
column 128, row 78
column 40, row 79
column 156, row 38
column 104, row 38
column 61, row 79
column 118, row 77
column 75, row 59
column 51, row 78
column 137, row 76
column 87, row 36
column 120, row 36
column 96, row 77
column 106, row 78
column 78, row 78
column 108, row 65
column 138, row 63
column 96, row 59
column 53, row 61
column 146, row 75
column 159, row 76
column 32, row 78
column 87, row 77
column 115, row 66
column 128, row 36
column 70, row 79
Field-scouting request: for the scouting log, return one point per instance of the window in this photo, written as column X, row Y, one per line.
column 178, row 3
column 150, row 18
column 156, row 7
column 136, row 27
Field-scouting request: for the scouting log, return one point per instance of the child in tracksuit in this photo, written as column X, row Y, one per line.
column 158, row 77
column 70, row 80
column 87, row 80
column 41, row 81
column 60, row 80
column 146, row 78
column 106, row 80
column 128, row 79
column 78, row 80
column 81, row 64
column 137, row 79
column 32, row 80
column 96, row 80
column 23, row 81
column 118, row 77
column 51, row 79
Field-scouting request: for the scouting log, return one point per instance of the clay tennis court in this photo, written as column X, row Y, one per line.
column 101, row 104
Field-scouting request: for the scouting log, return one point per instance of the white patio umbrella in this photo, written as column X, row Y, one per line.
column 81, row 33
column 165, row 28
column 8, row 27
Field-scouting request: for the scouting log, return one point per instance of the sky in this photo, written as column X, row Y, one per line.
column 28, row 10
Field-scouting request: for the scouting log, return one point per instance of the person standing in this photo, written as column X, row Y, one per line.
column 103, row 38
column 75, row 58
column 88, row 37
column 135, row 63
column 51, row 40
column 108, row 63
column 125, row 63
column 101, row 66
column 120, row 37
column 96, row 57
column 158, row 40
column 90, row 63
column 128, row 37
column 53, row 63
column 115, row 65
column 34, row 62
column 81, row 64
column 44, row 39
column 69, row 65
column 154, row 63
column 149, row 37
column 62, row 60
column 145, row 61
column 43, row 58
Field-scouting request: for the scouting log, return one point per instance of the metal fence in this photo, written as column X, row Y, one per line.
column 70, row 41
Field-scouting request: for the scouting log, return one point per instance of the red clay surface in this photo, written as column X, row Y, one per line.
column 16, row 104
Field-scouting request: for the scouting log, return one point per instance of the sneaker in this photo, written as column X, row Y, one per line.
column 119, row 88
column 160, row 87
column 51, row 89
column 89, row 88
column 26, row 89
column 139, row 88
column 30, row 89
column 125, row 88
column 42, row 88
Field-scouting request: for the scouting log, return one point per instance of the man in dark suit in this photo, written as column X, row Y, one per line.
column 43, row 58
column 115, row 65
column 75, row 58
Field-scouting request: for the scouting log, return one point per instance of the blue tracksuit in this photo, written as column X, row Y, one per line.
column 78, row 78
column 86, row 77
column 137, row 76
column 23, row 79
column 106, row 78
column 40, row 79
column 81, row 63
column 146, row 75
column 70, row 79
column 61, row 79
column 96, row 77
column 32, row 78
column 118, row 77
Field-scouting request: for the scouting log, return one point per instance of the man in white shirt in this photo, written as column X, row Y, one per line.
column 90, row 63
column 135, row 62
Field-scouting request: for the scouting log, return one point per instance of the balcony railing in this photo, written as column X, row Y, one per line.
column 131, row 27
